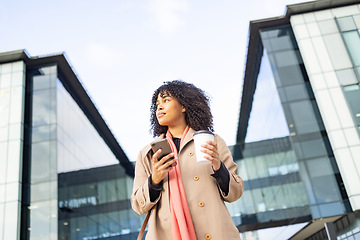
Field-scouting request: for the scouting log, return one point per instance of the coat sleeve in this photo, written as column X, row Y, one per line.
column 140, row 197
column 236, row 185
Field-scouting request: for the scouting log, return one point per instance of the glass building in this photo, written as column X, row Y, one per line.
column 63, row 175
column 301, row 94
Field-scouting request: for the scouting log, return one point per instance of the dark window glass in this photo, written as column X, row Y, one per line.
column 290, row 75
column 281, row 43
column 304, row 117
column 313, row 148
column 296, row 92
column 325, row 189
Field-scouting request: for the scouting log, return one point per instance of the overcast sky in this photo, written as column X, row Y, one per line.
column 122, row 50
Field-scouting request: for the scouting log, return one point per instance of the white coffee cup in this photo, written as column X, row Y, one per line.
column 200, row 138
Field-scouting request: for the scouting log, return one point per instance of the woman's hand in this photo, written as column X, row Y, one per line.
column 211, row 149
column 161, row 167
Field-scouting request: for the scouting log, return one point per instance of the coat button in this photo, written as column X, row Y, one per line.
column 201, row 204
column 191, row 153
column 142, row 203
column 196, row 178
column 207, row 236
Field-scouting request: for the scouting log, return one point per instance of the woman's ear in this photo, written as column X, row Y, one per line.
column 183, row 109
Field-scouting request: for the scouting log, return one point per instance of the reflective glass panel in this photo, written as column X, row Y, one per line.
column 352, row 41
column 352, row 93
column 94, row 191
column 346, row 23
column 346, row 77
column 267, row 118
column 306, row 129
column 304, row 118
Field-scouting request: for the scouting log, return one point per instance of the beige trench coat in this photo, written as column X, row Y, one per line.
column 210, row 216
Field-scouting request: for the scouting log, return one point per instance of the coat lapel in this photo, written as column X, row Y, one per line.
column 188, row 138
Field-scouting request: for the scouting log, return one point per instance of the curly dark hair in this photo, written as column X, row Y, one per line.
column 196, row 102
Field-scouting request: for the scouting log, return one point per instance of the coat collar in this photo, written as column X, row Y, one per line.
column 187, row 139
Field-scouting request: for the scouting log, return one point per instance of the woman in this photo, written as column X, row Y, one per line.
column 186, row 199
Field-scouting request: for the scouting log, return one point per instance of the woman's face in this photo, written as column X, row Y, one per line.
column 169, row 111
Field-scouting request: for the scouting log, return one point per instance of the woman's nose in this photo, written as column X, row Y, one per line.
column 159, row 107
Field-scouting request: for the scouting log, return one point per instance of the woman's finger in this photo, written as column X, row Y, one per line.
column 210, row 145
column 166, row 158
column 156, row 156
column 166, row 161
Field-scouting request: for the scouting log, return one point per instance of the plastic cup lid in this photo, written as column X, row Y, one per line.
column 203, row 131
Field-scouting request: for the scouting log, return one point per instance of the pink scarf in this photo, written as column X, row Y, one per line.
column 181, row 224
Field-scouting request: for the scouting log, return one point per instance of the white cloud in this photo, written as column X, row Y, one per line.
column 167, row 13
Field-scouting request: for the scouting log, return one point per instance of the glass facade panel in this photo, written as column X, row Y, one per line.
column 352, row 94
column 3, row 161
column 329, row 41
column 2, row 193
column 337, row 51
column 327, row 26
column 346, row 77
column 40, row 224
column 5, row 80
column 17, row 99
column 295, row 92
column 285, row 58
column 12, row 97
column 266, row 109
column 44, row 107
column 12, row 192
column 282, row 44
column 325, row 189
column 78, row 188
column 40, row 170
column 306, row 129
column 80, row 143
column 2, row 216
column 346, row 23
column 319, row 167
column 357, row 20
column 4, row 109
column 13, row 170
column 304, row 119
column 11, row 220
column 350, row 78
column 352, row 41
column 93, row 195
column 43, row 154
column 273, row 188
column 313, row 148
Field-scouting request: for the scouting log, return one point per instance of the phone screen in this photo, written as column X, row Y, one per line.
column 163, row 145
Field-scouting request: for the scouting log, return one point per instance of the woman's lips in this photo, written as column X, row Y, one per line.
column 160, row 114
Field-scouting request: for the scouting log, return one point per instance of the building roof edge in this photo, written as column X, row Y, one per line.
column 73, row 85
column 12, row 56
column 253, row 56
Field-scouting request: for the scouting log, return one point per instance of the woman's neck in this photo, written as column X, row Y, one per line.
column 177, row 131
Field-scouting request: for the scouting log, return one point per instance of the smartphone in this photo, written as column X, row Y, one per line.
column 162, row 144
